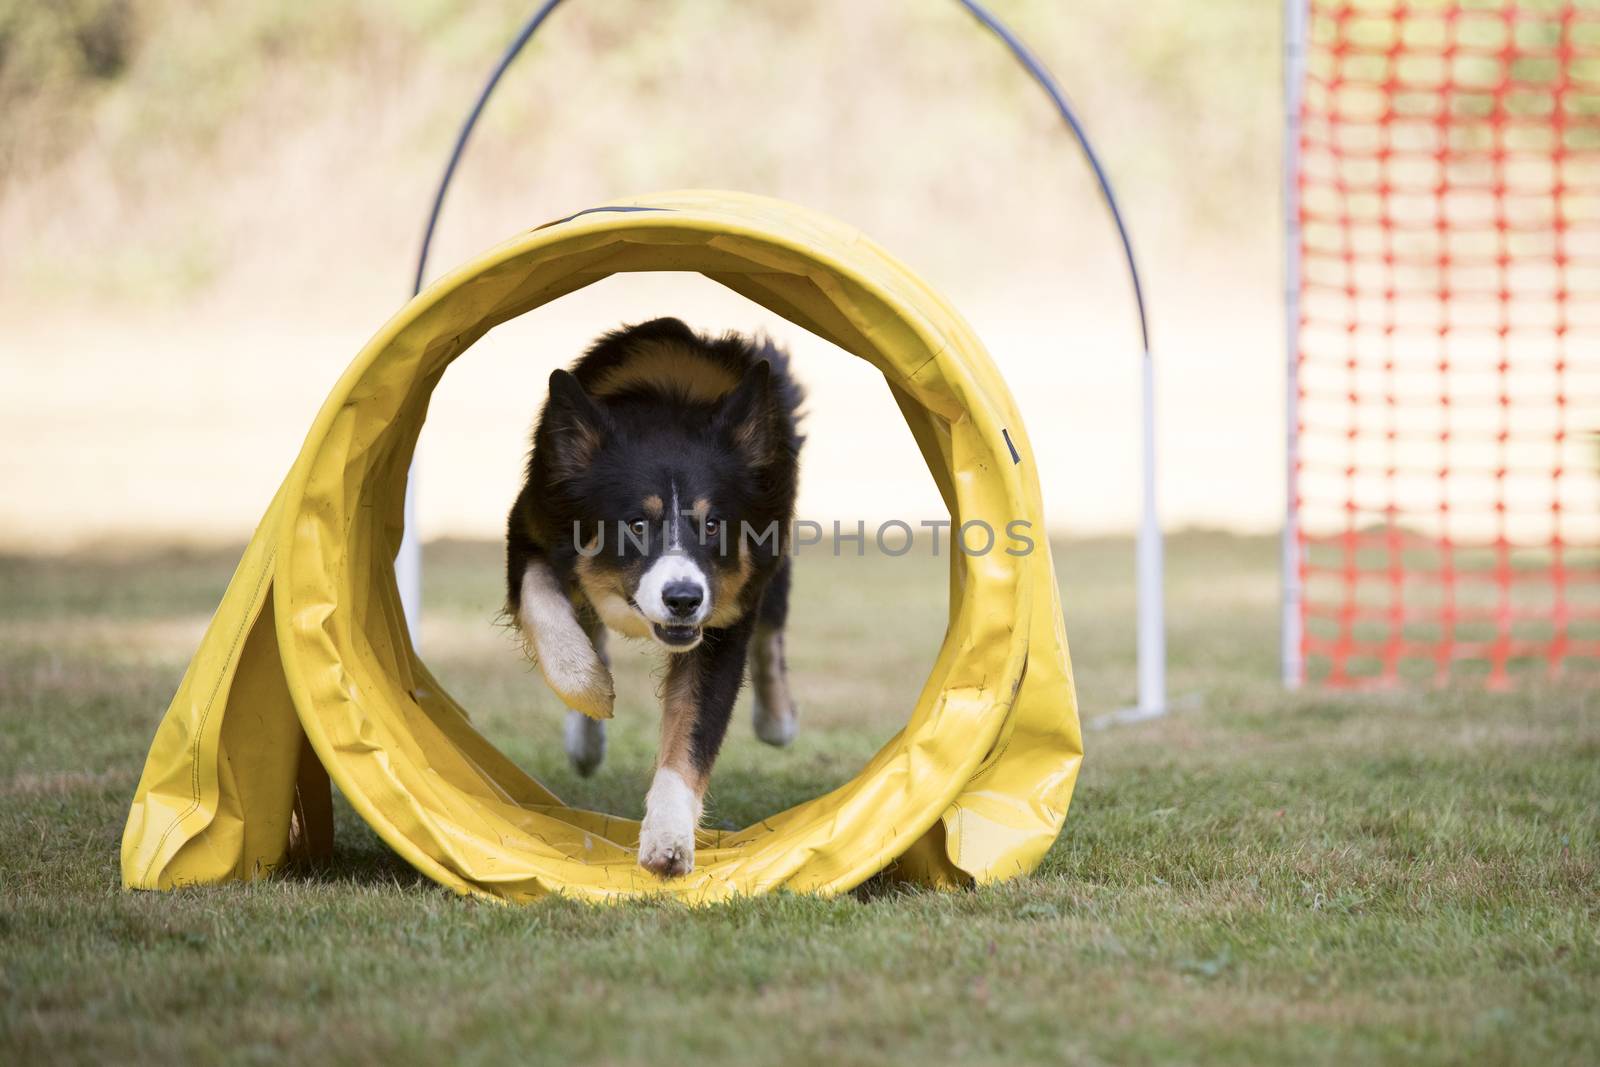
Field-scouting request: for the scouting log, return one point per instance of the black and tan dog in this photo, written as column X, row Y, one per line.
column 658, row 503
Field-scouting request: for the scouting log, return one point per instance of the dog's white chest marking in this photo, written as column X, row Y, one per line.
column 564, row 653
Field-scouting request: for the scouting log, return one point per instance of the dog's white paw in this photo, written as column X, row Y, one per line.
column 585, row 740
column 668, row 854
column 578, row 677
column 666, row 837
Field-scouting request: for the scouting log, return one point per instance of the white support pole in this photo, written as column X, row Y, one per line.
column 408, row 561
column 1152, row 625
column 1295, row 19
column 1149, row 572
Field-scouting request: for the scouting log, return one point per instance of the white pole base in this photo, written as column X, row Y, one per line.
column 1125, row 717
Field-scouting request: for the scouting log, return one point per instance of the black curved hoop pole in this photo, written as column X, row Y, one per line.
column 1058, row 97
column 1151, row 625
column 1023, row 55
column 524, row 35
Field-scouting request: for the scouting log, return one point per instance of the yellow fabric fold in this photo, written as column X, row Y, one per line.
column 309, row 643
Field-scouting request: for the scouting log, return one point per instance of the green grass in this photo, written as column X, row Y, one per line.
column 1257, row 878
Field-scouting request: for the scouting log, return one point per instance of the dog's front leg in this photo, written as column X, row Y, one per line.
column 565, row 654
column 697, row 703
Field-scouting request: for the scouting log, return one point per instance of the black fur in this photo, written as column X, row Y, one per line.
column 719, row 672
column 612, row 436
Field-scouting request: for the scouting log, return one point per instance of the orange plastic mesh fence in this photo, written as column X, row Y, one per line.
column 1449, row 341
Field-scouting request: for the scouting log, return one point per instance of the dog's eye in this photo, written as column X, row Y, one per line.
column 712, row 528
column 639, row 527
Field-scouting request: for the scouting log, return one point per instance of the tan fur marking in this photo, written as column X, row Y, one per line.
column 726, row 608
column 606, row 594
column 653, row 506
column 678, row 700
column 670, row 367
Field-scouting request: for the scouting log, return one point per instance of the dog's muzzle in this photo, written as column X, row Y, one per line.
column 682, row 637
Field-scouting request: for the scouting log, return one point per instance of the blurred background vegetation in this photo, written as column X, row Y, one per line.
column 206, row 209
column 143, row 136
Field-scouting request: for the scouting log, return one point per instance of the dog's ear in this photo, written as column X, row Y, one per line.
column 576, row 425
column 747, row 417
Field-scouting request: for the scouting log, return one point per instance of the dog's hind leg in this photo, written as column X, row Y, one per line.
column 563, row 650
column 585, row 738
column 777, row 720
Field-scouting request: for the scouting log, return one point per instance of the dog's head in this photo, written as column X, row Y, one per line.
column 670, row 517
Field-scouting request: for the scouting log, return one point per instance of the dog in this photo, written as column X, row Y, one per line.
column 657, row 503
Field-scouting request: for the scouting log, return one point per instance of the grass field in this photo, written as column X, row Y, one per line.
column 1257, row 878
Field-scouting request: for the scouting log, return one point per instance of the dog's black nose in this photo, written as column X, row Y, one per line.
column 682, row 598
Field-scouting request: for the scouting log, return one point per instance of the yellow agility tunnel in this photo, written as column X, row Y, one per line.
column 307, row 673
